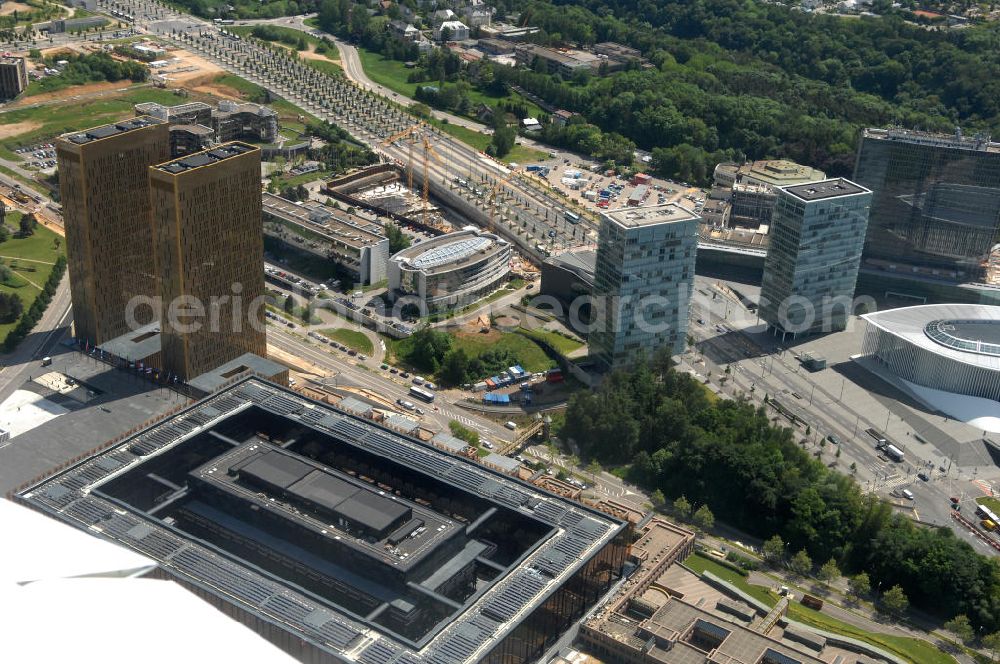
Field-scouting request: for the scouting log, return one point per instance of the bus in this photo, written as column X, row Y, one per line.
column 422, row 394
column 985, row 513
column 572, row 217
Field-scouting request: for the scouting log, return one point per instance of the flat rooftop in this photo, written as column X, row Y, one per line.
column 290, row 510
column 337, row 225
column 109, row 130
column 136, row 345
column 322, row 501
column 201, row 130
column 650, row 215
column 205, row 158
column 10, row 60
column 976, row 142
column 212, row 380
column 818, row 191
column 582, row 262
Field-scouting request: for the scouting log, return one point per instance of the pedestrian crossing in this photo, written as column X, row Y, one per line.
column 895, row 482
column 986, row 487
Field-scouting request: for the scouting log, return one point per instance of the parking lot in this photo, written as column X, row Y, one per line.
column 41, row 156
column 586, row 185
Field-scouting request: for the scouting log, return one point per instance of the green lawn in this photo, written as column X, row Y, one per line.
column 325, row 66
column 283, row 181
column 563, row 345
column 393, row 74
column 910, row 649
column 350, row 338
column 701, row 563
column 531, row 355
column 913, row 650
column 993, row 504
column 72, row 115
column 20, row 254
column 519, row 154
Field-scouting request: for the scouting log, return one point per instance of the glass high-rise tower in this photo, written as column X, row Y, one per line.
column 104, row 188
column 643, row 283
column 812, row 262
column 209, row 247
column 935, row 210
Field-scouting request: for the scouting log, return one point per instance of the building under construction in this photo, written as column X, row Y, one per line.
column 387, row 189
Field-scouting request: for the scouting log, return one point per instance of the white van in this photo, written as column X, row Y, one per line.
column 907, row 494
column 510, row 425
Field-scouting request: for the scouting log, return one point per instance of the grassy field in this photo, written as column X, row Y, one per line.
column 700, row 563
column 914, row 650
column 531, row 355
column 520, row 154
column 351, row 338
column 993, row 504
column 328, row 68
column 393, row 74
column 286, row 180
column 37, row 252
column 45, row 122
column 563, row 345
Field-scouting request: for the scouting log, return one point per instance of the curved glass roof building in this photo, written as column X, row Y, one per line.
column 950, row 347
column 450, row 270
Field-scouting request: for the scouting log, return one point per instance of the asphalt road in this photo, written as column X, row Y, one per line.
column 351, row 372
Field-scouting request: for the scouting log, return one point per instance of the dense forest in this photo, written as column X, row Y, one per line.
column 732, row 78
column 754, row 475
column 764, row 80
column 729, row 78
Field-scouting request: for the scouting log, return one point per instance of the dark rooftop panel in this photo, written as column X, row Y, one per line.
column 322, row 490
column 380, row 652
column 199, row 159
column 106, row 131
column 372, row 510
column 275, row 470
column 196, row 160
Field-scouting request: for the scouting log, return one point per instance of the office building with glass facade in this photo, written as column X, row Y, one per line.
column 104, row 189
column 450, row 270
column 209, row 246
column 935, row 211
column 339, row 539
column 643, row 283
column 811, row 268
column 948, row 347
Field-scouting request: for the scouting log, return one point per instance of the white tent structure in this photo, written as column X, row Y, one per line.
column 66, row 596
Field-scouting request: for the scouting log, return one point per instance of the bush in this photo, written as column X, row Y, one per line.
column 11, row 307
column 743, row 562
column 725, row 563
